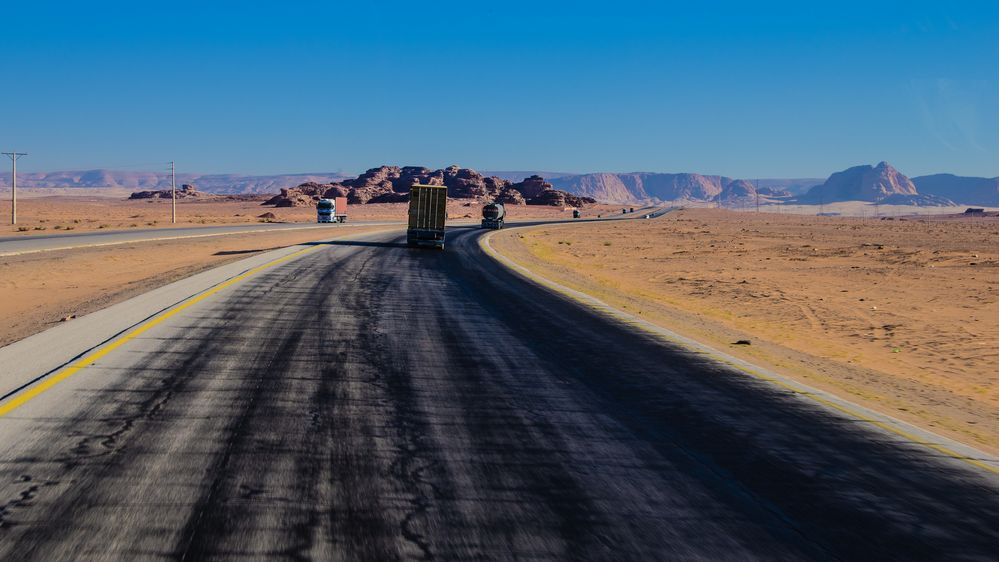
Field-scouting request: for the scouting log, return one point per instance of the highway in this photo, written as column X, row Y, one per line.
column 27, row 244
column 364, row 401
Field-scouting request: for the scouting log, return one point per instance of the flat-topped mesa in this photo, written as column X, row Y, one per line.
column 391, row 184
column 186, row 191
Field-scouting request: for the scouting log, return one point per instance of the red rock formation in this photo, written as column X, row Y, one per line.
column 391, row 184
column 186, row 191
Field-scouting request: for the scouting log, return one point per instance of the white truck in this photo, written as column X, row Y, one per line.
column 332, row 210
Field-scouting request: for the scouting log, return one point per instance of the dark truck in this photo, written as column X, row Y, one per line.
column 427, row 213
column 493, row 215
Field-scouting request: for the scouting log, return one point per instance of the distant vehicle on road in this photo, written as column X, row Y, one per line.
column 427, row 213
column 575, row 213
column 331, row 210
column 493, row 215
column 325, row 211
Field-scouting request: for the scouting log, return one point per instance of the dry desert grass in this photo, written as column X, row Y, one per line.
column 899, row 315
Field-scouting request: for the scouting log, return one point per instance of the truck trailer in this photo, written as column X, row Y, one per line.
column 340, row 211
column 493, row 215
column 427, row 213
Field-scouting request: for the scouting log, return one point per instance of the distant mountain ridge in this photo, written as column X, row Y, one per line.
column 638, row 187
column 964, row 190
column 213, row 183
column 880, row 182
column 643, row 186
column 862, row 183
column 873, row 183
column 883, row 183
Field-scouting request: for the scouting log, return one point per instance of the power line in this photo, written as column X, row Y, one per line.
column 13, row 182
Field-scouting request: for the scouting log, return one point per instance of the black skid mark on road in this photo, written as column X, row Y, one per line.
column 411, row 459
column 498, row 415
column 409, row 467
column 307, row 470
column 214, row 518
column 209, row 517
column 81, row 465
column 23, row 500
column 113, row 442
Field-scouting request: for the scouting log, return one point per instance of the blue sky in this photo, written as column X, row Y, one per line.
column 766, row 89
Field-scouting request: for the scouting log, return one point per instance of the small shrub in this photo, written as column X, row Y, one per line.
column 39, row 228
column 23, row 229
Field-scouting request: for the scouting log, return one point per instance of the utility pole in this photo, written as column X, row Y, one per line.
column 13, row 183
column 173, row 192
column 757, row 196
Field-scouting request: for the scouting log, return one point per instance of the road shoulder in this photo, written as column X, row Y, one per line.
column 945, row 446
column 28, row 360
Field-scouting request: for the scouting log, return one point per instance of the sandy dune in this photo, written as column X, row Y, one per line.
column 901, row 315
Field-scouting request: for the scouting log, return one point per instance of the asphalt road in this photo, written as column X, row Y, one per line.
column 369, row 402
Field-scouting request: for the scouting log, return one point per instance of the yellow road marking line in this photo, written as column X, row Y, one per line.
column 701, row 348
column 18, row 400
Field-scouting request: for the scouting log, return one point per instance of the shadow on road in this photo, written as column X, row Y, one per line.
column 240, row 252
column 357, row 243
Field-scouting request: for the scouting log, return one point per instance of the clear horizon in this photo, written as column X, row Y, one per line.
column 776, row 91
column 20, row 171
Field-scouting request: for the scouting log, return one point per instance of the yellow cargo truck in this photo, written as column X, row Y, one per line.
column 427, row 213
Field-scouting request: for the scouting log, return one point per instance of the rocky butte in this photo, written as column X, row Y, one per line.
column 882, row 183
column 186, row 191
column 390, row 184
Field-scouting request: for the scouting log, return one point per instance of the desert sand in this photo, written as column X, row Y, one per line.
column 899, row 315
column 55, row 214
